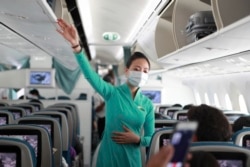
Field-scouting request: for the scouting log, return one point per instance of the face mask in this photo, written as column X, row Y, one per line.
column 137, row 78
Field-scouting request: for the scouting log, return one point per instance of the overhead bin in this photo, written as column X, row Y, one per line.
column 169, row 44
column 227, row 12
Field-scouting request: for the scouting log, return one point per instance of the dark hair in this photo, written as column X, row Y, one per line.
column 176, row 105
column 108, row 78
column 135, row 56
column 213, row 125
column 204, row 159
column 188, row 106
column 241, row 122
column 34, row 92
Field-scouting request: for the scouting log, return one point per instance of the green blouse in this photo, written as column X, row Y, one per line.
column 121, row 109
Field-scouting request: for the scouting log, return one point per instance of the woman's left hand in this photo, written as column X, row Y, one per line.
column 126, row 137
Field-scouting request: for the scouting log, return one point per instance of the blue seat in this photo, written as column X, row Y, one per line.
column 164, row 123
column 64, row 129
column 160, row 137
column 180, row 115
column 19, row 151
column 6, row 117
column 16, row 111
column 54, row 130
column 224, row 152
column 36, row 136
column 242, row 138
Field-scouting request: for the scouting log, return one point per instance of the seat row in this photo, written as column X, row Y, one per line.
column 237, row 150
column 62, row 123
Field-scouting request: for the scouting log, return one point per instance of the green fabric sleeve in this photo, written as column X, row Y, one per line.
column 103, row 88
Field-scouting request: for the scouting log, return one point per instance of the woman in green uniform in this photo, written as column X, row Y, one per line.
column 128, row 111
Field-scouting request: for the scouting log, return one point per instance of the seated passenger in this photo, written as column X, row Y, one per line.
column 241, row 122
column 213, row 125
column 34, row 94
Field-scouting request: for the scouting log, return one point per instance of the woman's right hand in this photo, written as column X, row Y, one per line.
column 69, row 32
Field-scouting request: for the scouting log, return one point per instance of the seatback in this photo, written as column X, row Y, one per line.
column 37, row 136
column 63, row 125
column 69, row 117
column 6, row 117
column 242, row 138
column 180, row 115
column 161, row 108
column 64, row 130
column 224, row 152
column 38, row 106
column 75, row 115
column 164, row 123
column 4, row 103
column 160, row 138
column 54, row 130
column 16, row 111
column 171, row 110
column 233, row 115
column 27, row 107
column 17, row 151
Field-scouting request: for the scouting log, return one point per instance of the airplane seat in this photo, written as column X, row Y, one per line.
column 242, row 137
column 18, row 151
column 75, row 115
column 27, row 107
column 171, row 110
column 160, row 116
column 37, row 137
column 16, row 111
column 164, row 123
column 161, row 108
column 4, row 103
column 180, row 115
column 225, row 152
column 61, row 118
column 77, row 144
column 54, row 131
column 38, row 105
column 160, row 138
column 6, row 117
column 70, row 120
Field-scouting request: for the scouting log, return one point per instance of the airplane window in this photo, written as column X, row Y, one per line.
column 216, row 100
column 207, row 99
column 197, row 98
column 242, row 103
column 228, row 102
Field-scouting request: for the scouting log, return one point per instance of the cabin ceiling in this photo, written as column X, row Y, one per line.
column 30, row 30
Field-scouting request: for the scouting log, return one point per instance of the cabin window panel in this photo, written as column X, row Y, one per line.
column 242, row 103
column 228, row 102
column 197, row 98
column 216, row 101
column 207, row 99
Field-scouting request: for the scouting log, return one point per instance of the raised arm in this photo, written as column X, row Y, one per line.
column 69, row 33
